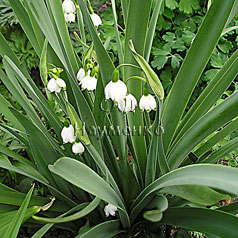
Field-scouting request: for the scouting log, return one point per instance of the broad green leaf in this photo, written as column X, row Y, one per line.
column 197, row 194
column 153, row 215
column 196, row 59
column 87, row 180
column 106, row 229
column 214, row 176
column 213, row 222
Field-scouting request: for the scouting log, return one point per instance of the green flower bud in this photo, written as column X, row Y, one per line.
column 152, row 77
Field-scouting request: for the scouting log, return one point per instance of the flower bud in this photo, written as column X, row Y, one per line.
column 152, row 77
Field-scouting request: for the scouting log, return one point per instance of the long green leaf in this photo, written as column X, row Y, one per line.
column 221, row 152
column 196, row 59
column 214, row 176
column 216, row 87
column 217, row 137
column 107, row 229
column 15, row 225
column 210, row 122
column 196, row 194
column 87, row 180
column 84, row 212
column 136, row 29
column 213, row 222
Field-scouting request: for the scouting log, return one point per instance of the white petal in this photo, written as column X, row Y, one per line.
column 147, row 103
column 110, row 210
column 78, row 148
column 116, row 91
column 68, row 134
column 68, row 6
column 61, row 83
column 89, row 83
column 52, row 86
column 69, row 17
column 80, row 74
column 96, row 19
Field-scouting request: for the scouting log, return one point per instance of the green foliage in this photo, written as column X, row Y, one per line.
column 7, row 15
column 176, row 29
column 141, row 176
column 23, row 49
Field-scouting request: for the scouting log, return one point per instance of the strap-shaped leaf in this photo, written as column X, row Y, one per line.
column 214, row 176
column 15, row 224
column 197, row 194
column 217, row 137
column 221, row 152
column 213, row 222
column 193, row 66
column 106, row 229
column 87, row 180
column 216, row 87
column 84, row 212
column 136, row 29
column 210, row 122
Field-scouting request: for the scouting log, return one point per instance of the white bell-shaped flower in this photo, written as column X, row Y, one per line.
column 147, row 102
column 110, row 210
column 89, row 83
column 69, row 17
column 96, row 19
column 117, row 91
column 55, row 85
column 81, row 74
column 128, row 104
column 78, row 148
column 68, row 134
column 68, row 6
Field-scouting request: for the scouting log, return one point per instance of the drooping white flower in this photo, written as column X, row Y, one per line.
column 128, row 104
column 147, row 102
column 78, row 148
column 110, row 210
column 115, row 90
column 89, row 83
column 55, row 85
column 68, row 134
column 69, row 17
column 68, row 6
column 81, row 74
column 96, row 19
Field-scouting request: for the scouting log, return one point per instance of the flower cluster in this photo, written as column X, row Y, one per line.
column 69, row 10
column 117, row 91
column 68, row 136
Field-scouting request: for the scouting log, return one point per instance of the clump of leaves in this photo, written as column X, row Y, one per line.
column 23, row 49
column 7, row 15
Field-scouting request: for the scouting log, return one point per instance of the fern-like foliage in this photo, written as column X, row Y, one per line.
column 7, row 15
column 23, row 49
